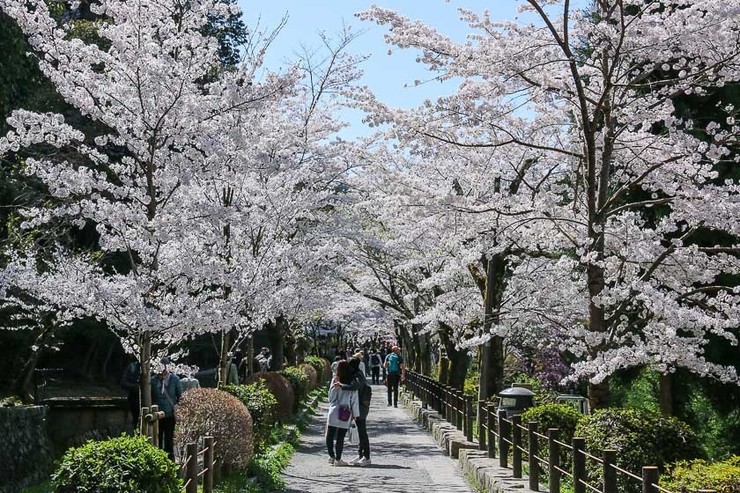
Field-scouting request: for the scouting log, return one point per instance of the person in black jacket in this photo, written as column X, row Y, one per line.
column 130, row 383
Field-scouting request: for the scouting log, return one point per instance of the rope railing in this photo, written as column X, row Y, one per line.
column 499, row 435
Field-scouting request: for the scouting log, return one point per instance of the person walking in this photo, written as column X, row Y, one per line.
column 375, row 364
column 166, row 393
column 344, row 406
column 395, row 367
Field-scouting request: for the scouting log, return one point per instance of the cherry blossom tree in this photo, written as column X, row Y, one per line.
column 634, row 185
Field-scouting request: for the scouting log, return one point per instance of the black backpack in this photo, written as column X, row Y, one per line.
column 375, row 359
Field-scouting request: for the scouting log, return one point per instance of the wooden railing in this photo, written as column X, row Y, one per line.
column 503, row 437
column 195, row 467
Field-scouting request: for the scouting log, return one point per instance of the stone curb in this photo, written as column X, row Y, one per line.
column 475, row 464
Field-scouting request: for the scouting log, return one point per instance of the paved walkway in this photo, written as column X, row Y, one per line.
column 404, row 456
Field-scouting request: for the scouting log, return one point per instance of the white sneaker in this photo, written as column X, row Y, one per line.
column 364, row 462
column 339, row 463
column 356, row 460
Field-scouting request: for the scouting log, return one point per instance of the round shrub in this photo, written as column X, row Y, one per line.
column 122, row 464
column 699, row 474
column 322, row 367
column 298, row 380
column 261, row 405
column 641, row 438
column 281, row 389
column 213, row 412
column 311, row 374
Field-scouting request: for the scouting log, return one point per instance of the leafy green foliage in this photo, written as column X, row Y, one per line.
column 122, row 464
column 281, row 388
column 322, row 367
column 702, row 475
column 267, row 467
column 298, row 380
column 561, row 416
column 261, row 405
column 311, row 374
column 641, row 438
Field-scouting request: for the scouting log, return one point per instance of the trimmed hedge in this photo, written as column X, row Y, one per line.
column 261, row 405
column 122, row 464
column 322, row 367
column 560, row 416
column 699, row 474
column 281, row 389
column 641, row 438
column 311, row 374
column 298, row 380
column 205, row 411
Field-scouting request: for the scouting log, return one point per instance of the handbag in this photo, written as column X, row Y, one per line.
column 353, row 436
column 344, row 413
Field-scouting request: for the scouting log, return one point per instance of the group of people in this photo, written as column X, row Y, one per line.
column 350, row 395
column 166, row 390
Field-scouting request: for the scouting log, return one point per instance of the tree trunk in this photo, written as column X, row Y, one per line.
column 275, row 334
column 145, row 355
column 425, row 354
column 223, row 358
column 459, row 362
column 416, row 340
column 444, row 367
column 666, row 393
column 23, row 382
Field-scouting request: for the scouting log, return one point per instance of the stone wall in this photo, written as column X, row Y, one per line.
column 25, row 449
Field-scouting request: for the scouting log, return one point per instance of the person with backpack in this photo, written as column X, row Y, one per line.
column 365, row 395
column 375, row 364
column 395, row 367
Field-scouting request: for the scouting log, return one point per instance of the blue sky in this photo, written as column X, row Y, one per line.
column 390, row 77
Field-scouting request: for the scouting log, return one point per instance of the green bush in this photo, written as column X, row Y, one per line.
column 311, row 374
column 267, row 468
column 560, row 416
column 261, row 405
column 203, row 412
column 699, row 474
column 322, row 367
column 298, row 380
column 122, row 464
column 641, row 438
column 281, row 388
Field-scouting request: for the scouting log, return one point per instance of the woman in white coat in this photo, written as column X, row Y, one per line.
column 344, row 407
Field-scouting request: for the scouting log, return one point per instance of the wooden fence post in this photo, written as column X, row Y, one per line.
column 516, row 445
column 609, row 474
column 208, row 464
column 579, row 465
column 649, row 478
column 191, row 468
column 534, row 451
column 491, row 424
column 460, row 406
column 481, row 425
column 554, row 459
column 504, row 433
column 143, row 423
column 155, row 426
column 468, row 417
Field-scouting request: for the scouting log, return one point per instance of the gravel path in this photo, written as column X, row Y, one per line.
column 404, row 456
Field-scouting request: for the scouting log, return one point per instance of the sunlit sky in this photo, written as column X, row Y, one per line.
column 390, row 77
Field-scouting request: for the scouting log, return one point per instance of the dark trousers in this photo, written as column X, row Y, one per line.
column 166, row 435
column 376, row 374
column 335, row 450
column 393, row 380
column 364, row 450
column 134, row 407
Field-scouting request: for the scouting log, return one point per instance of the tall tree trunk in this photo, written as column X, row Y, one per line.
column 459, row 363
column 23, row 386
column 290, row 347
column 275, row 334
column 425, row 354
column 666, row 393
column 416, row 340
column 223, row 358
column 444, row 366
column 145, row 356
